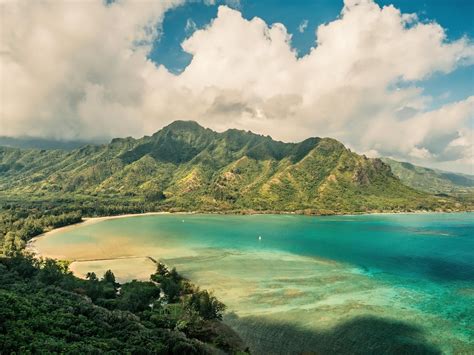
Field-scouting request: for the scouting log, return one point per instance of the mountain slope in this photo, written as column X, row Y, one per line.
column 185, row 166
column 432, row 180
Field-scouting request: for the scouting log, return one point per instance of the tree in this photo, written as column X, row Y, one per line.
column 109, row 277
column 161, row 269
column 171, row 289
column 91, row 276
column 175, row 276
column 51, row 272
column 208, row 306
column 10, row 244
column 24, row 264
column 154, row 196
column 137, row 296
column 161, row 273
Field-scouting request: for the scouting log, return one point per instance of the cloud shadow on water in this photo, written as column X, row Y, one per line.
column 360, row 335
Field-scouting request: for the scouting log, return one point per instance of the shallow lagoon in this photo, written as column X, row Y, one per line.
column 345, row 284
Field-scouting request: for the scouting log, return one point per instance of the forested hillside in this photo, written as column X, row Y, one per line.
column 187, row 167
column 44, row 309
column 432, row 180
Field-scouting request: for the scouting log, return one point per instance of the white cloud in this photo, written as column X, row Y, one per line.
column 303, row 25
column 190, row 26
column 71, row 69
column 420, row 153
column 74, row 69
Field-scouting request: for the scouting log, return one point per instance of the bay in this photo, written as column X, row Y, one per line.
column 345, row 284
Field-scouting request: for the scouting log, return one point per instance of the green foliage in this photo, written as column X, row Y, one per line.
column 51, row 272
column 23, row 220
column 206, row 305
column 175, row 287
column 45, row 309
column 109, row 278
column 137, row 296
column 171, row 289
column 154, row 196
column 433, row 181
column 170, row 282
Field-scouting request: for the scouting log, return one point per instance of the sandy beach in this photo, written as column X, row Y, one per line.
column 30, row 246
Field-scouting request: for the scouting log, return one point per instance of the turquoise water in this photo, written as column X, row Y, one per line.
column 345, row 284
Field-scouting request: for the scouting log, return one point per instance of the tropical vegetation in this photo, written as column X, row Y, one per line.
column 432, row 180
column 45, row 309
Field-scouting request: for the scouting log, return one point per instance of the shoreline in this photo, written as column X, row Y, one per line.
column 30, row 247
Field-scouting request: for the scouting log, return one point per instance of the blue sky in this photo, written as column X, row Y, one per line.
column 455, row 16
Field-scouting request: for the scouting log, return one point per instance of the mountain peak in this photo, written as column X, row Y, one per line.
column 181, row 125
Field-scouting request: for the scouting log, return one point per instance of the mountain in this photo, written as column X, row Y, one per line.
column 187, row 167
column 432, row 180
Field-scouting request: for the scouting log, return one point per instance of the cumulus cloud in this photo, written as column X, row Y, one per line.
column 80, row 70
column 75, row 69
column 303, row 25
column 190, row 26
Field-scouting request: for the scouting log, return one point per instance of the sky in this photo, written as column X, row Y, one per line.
column 387, row 78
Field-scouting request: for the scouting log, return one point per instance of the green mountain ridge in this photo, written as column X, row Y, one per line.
column 432, row 180
column 185, row 166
